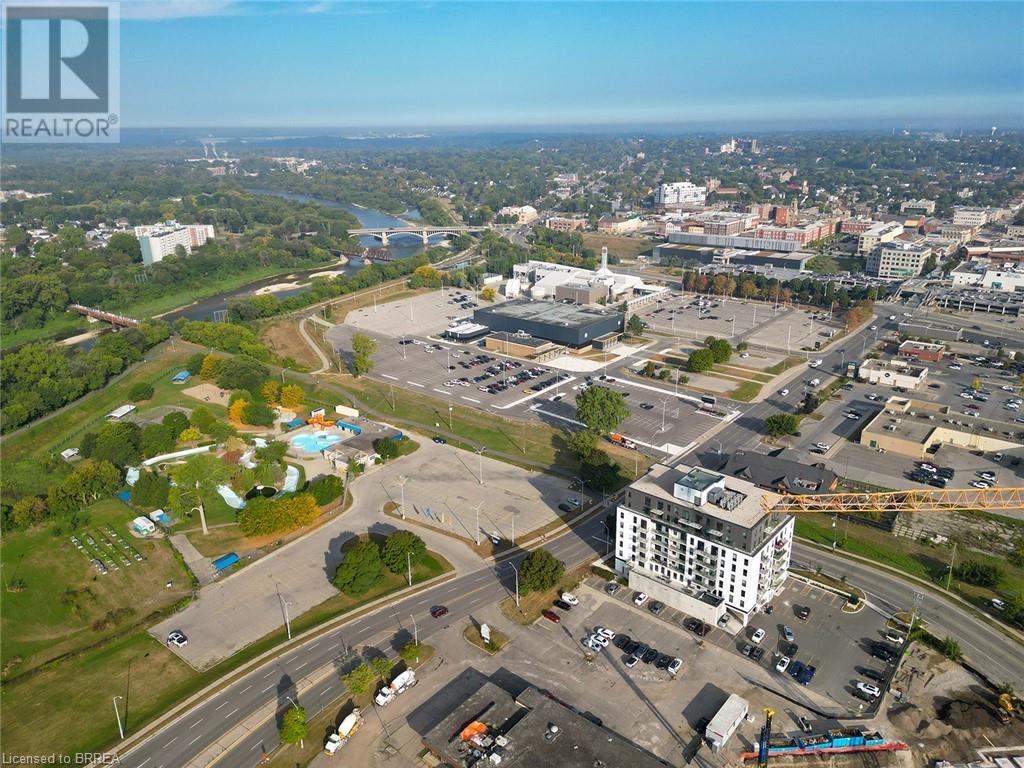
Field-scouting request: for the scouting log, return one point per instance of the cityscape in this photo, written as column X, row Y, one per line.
column 461, row 385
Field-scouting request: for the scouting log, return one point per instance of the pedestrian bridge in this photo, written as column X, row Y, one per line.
column 384, row 234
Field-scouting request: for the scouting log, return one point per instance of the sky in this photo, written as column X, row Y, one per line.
column 447, row 64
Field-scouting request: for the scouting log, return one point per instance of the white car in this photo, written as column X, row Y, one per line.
column 894, row 637
column 674, row 666
column 570, row 598
column 601, row 642
column 589, row 643
column 853, row 416
column 783, row 392
column 782, row 664
column 822, row 446
column 979, row 484
column 177, row 639
column 892, row 318
column 1006, row 388
column 604, row 632
column 814, row 363
column 955, row 367
column 814, row 382
column 874, row 327
column 870, row 689
column 758, row 636
column 872, row 397
column 639, row 599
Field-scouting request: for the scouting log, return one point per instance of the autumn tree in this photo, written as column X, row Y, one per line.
column 292, row 396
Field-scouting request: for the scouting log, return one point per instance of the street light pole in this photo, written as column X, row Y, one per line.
column 415, row 630
column 120, row 728
column 287, row 619
column 516, row 572
column 477, row 508
column 480, row 455
column 408, row 565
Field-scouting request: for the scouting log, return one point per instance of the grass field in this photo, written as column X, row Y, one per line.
column 532, row 603
column 64, row 596
column 44, row 711
column 64, row 326
column 623, row 247
column 745, row 391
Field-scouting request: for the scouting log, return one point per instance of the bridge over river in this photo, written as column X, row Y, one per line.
column 384, row 234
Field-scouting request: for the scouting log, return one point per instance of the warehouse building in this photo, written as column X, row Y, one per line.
column 570, row 325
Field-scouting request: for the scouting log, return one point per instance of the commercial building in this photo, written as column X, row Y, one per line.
column 984, row 275
column 779, row 474
column 803, row 233
column 671, row 253
column 523, row 214
column 857, row 225
column 1015, row 231
column 546, row 279
column 909, row 427
column 570, row 325
column 702, row 542
column 978, row 217
column 682, row 194
column 920, row 207
column 897, row 259
column 160, row 240
column 746, row 241
column 892, row 373
column 480, row 723
column 520, row 345
column 619, row 225
column 564, row 224
column 921, row 351
column 957, row 232
column 880, row 232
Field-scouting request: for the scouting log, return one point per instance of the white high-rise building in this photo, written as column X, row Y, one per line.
column 680, row 194
column 702, row 542
column 160, row 240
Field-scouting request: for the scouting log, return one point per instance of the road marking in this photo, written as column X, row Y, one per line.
column 197, row 738
column 223, row 704
column 443, row 392
column 245, row 689
column 314, row 645
column 413, row 383
column 170, row 742
column 470, row 399
column 197, row 722
column 145, row 761
column 229, row 714
column 301, row 666
column 389, row 376
column 268, row 688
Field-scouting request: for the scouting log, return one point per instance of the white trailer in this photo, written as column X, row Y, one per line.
column 726, row 721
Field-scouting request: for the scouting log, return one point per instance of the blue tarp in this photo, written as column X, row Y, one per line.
column 294, row 423
column 350, row 427
column 181, row 376
column 124, row 496
column 396, row 437
column 225, row 561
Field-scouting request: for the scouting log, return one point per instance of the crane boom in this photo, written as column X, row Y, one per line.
column 930, row 500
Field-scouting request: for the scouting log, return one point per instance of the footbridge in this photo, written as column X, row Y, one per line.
column 384, row 234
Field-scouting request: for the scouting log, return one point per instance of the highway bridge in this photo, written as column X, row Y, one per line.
column 384, row 234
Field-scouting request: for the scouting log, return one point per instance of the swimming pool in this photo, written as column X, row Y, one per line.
column 315, row 442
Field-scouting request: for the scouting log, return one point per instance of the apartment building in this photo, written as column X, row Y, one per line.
column 680, row 194
column 564, row 224
column 702, row 542
column 803, row 233
column 619, row 225
column 160, row 240
column 880, row 232
column 523, row 214
column 920, row 207
column 897, row 260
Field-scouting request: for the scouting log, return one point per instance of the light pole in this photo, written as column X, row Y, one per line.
column 719, row 442
column 287, row 619
column 607, row 538
column 403, row 346
column 408, row 565
column 401, row 484
column 415, row 630
column 480, row 456
column 664, row 403
column 516, row 572
column 120, row 728
column 477, row 508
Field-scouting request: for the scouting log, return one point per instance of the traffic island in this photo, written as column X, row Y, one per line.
column 498, row 640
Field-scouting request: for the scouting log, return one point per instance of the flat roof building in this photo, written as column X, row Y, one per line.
column 921, row 351
column 158, row 241
column 897, row 259
column 892, row 373
column 702, row 542
column 570, row 325
column 780, row 474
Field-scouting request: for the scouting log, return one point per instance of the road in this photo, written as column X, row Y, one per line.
column 389, row 627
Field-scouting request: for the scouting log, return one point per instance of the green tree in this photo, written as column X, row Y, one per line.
column 118, row 442
column 635, row 326
column 601, row 409
column 700, row 360
column 156, row 439
column 28, row 511
column 488, row 294
column 540, row 571
column 261, row 516
column 400, row 548
column 151, row 490
column 241, row 372
column 292, row 396
column 976, row 382
column 294, row 727
column 779, row 424
column 363, row 348
column 258, row 413
column 176, row 421
column 360, row 569
column 381, row 666
column 386, row 448
column 721, row 350
column 194, row 364
column 600, row 472
column 950, row 648
column 583, row 443
column 141, row 390
column 410, row 651
column 194, row 480
column 360, row 680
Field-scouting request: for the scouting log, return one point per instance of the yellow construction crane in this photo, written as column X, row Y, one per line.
column 765, row 738
column 931, row 500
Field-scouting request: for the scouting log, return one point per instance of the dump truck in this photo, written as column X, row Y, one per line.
column 339, row 736
column 625, row 442
column 395, row 688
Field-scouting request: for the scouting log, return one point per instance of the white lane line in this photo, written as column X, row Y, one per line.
column 271, row 672
column 301, row 666
column 170, row 742
column 197, row 738
column 314, row 645
column 229, row 714
column 413, row 383
column 538, row 409
column 269, row 687
column 197, row 722
column 145, row 761
column 245, row 689
column 470, row 399
column 441, row 391
column 222, row 704
column 389, row 376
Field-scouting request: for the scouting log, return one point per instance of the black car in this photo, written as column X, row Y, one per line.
column 757, row 653
column 656, row 607
column 650, row 656
column 632, row 647
column 564, row 507
column 790, row 649
column 880, row 653
column 747, row 649
column 621, row 641
column 662, row 661
column 946, row 472
column 872, row 674
column 702, row 725
column 563, row 605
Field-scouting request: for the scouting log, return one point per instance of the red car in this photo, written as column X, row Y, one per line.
column 438, row 611
column 804, row 613
column 551, row 616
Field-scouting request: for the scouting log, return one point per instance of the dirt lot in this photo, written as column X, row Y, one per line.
column 282, row 338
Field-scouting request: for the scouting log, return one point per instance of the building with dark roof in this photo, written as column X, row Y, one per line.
column 488, row 725
column 568, row 324
column 780, row 474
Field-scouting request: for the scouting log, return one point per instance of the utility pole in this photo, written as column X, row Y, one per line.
column 477, row 508
column 120, row 728
column 408, row 565
column 402, row 480
column 516, row 572
column 415, row 630
column 480, row 455
column 952, row 565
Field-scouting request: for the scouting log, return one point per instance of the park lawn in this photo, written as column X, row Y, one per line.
column 745, row 391
column 783, row 365
column 64, row 325
column 64, row 595
column 44, row 712
column 623, row 247
column 498, row 639
column 532, row 603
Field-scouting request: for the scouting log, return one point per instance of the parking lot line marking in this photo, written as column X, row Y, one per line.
column 472, row 400
column 145, row 761
column 301, row 666
column 170, row 742
column 389, row 376
column 245, row 689
column 413, row 383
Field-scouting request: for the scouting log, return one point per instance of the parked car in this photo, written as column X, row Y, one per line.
column 604, row 632
column 781, row 664
column 805, row 724
column 796, row 669
column 657, row 607
column 872, row 674
column 570, row 598
column 662, row 661
column 803, row 613
column 805, row 677
column 621, row 641
column 631, row 661
column 870, row 689
column 674, row 666
column 563, row 605
column 758, row 636
column 177, row 638
column 611, row 587
column 639, row 599
column 787, row 633
column 551, row 616
column 783, row 392
column 894, row 637
column 440, row 440
column 650, row 656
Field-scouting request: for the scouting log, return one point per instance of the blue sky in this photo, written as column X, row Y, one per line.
column 323, row 64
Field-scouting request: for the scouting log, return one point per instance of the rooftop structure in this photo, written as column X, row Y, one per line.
column 780, row 474
column 568, row 324
column 892, row 373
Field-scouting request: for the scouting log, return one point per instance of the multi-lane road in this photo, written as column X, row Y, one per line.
column 212, row 722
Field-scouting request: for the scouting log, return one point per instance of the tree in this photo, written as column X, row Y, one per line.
column 410, row 651
column 382, row 666
column 294, row 727
column 649, row 369
column 779, row 424
column 950, row 648
column 488, row 294
column 360, row 680
column 540, row 571
column 151, row 490
column 326, row 489
column 194, row 364
column 292, row 396
column 363, row 348
column 360, row 569
column 241, row 372
column 635, row 326
column 89, row 481
column 601, row 409
column 700, row 360
column 599, row 471
column 140, row 390
column 118, row 443
column 211, row 366
column 261, row 516
column 189, row 435
column 236, row 411
column 976, row 382
column 258, row 413
column 582, row 443
column 402, row 548
column 194, row 480
column 176, row 421
column 721, row 350
column 156, row 439
column 28, row 511
column 386, row 448
column 270, row 391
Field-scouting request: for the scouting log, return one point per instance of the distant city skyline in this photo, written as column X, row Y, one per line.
column 551, row 65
